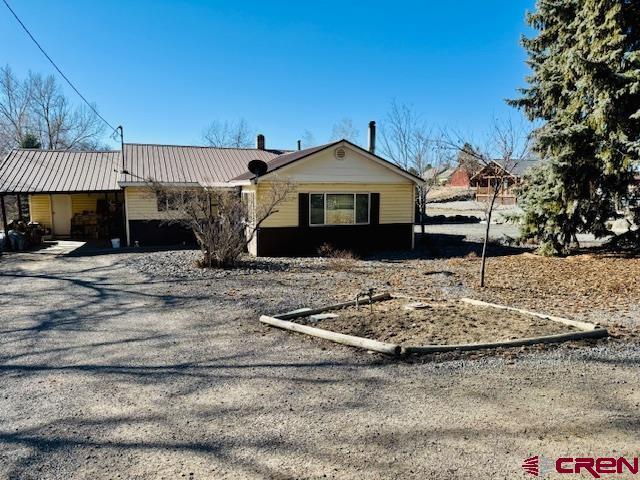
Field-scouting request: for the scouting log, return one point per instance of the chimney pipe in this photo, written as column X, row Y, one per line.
column 260, row 142
column 299, row 144
column 372, row 137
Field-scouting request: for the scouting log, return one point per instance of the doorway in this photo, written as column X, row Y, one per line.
column 61, row 213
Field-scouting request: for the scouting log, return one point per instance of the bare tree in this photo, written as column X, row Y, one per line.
column 222, row 221
column 308, row 139
column 37, row 107
column 345, row 129
column 56, row 123
column 507, row 145
column 407, row 141
column 15, row 97
column 229, row 134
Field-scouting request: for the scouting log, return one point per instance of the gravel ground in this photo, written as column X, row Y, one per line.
column 132, row 366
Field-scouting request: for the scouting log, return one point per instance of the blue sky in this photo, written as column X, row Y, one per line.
column 165, row 69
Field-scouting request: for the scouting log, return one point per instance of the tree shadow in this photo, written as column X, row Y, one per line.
column 446, row 246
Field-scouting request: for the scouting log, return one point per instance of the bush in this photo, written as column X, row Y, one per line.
column 339, row 260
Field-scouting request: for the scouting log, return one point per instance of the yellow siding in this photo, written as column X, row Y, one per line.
column 142, row 205
column 81, row 202
column 396, row 201
column 40, row 209
column 355, row 167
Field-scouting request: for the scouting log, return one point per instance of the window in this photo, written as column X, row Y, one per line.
column 338, row 208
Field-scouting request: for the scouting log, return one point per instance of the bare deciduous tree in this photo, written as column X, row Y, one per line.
column 55, row 122
column 308, row 139
column 345, row 129
column 37, row 107
column 15, row 97
column 506, row 146
column 229, row 134
column 407, row 141
column 222, row 221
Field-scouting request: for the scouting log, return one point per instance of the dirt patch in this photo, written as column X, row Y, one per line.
column 438, row 323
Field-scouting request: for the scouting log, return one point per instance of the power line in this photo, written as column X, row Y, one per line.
column 58, row 68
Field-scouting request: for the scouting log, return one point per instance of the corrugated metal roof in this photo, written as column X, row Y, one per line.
column 185, row 164
column 26, row 170
column 68, row 171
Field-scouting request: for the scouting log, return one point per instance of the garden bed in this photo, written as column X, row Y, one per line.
column 438, row 323
column 399, row 325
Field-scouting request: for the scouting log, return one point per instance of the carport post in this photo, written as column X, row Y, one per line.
column 19, row 206
column 4, row 214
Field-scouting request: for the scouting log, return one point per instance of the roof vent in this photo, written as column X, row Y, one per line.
column 340, row 153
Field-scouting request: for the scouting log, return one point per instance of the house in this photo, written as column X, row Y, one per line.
column 486, row 179
column 345, row 196
column 444, row 178
column 438, row 176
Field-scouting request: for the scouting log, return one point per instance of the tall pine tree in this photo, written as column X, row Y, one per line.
column 585, row 88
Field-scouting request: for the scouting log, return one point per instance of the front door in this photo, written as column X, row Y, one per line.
column 61, row 212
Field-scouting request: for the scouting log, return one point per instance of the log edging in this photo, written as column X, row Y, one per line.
column 587, row 330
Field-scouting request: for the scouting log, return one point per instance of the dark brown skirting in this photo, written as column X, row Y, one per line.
column 294, row 241
column 156, row 232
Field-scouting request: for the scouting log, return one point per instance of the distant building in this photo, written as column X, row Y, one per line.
column 485, row 180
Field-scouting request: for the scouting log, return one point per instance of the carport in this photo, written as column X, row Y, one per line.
column 71, row 194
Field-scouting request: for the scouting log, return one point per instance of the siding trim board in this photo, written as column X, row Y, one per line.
column 158, row 232
column 363, row 239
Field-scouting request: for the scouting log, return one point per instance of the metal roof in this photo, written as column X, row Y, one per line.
column 186, row 164
column 30, row 171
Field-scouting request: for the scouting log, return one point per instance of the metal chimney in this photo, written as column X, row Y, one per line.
column 372, row 137
column 260, row 142
column 299, row 144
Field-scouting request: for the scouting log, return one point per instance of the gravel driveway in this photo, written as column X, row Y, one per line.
column 109, row 372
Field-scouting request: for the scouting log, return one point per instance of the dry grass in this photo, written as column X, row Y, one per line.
column 339, row 260
column 439, row 323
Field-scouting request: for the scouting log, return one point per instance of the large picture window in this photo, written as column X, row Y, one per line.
column 338, row 208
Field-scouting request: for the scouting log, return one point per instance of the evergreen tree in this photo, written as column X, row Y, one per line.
column 30, row 141
column 585, row 88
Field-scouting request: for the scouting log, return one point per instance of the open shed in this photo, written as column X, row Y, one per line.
column 71, row 194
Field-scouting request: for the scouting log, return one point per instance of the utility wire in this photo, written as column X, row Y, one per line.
column 58, row 68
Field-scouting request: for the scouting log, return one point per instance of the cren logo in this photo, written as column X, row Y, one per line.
column 537, row 466
column 596, row 467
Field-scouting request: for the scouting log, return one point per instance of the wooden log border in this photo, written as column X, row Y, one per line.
column 307, row 313
column 587, row 330
column 586, row 326
column 518, row 342
column 366, row 343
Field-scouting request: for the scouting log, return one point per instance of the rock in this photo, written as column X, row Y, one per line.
column 416, row 306
column 323, row 316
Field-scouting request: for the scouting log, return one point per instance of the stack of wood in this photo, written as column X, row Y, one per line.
column 85, row 225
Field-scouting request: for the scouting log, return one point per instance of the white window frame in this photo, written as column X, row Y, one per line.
column 325, row 224
column 249, row 199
